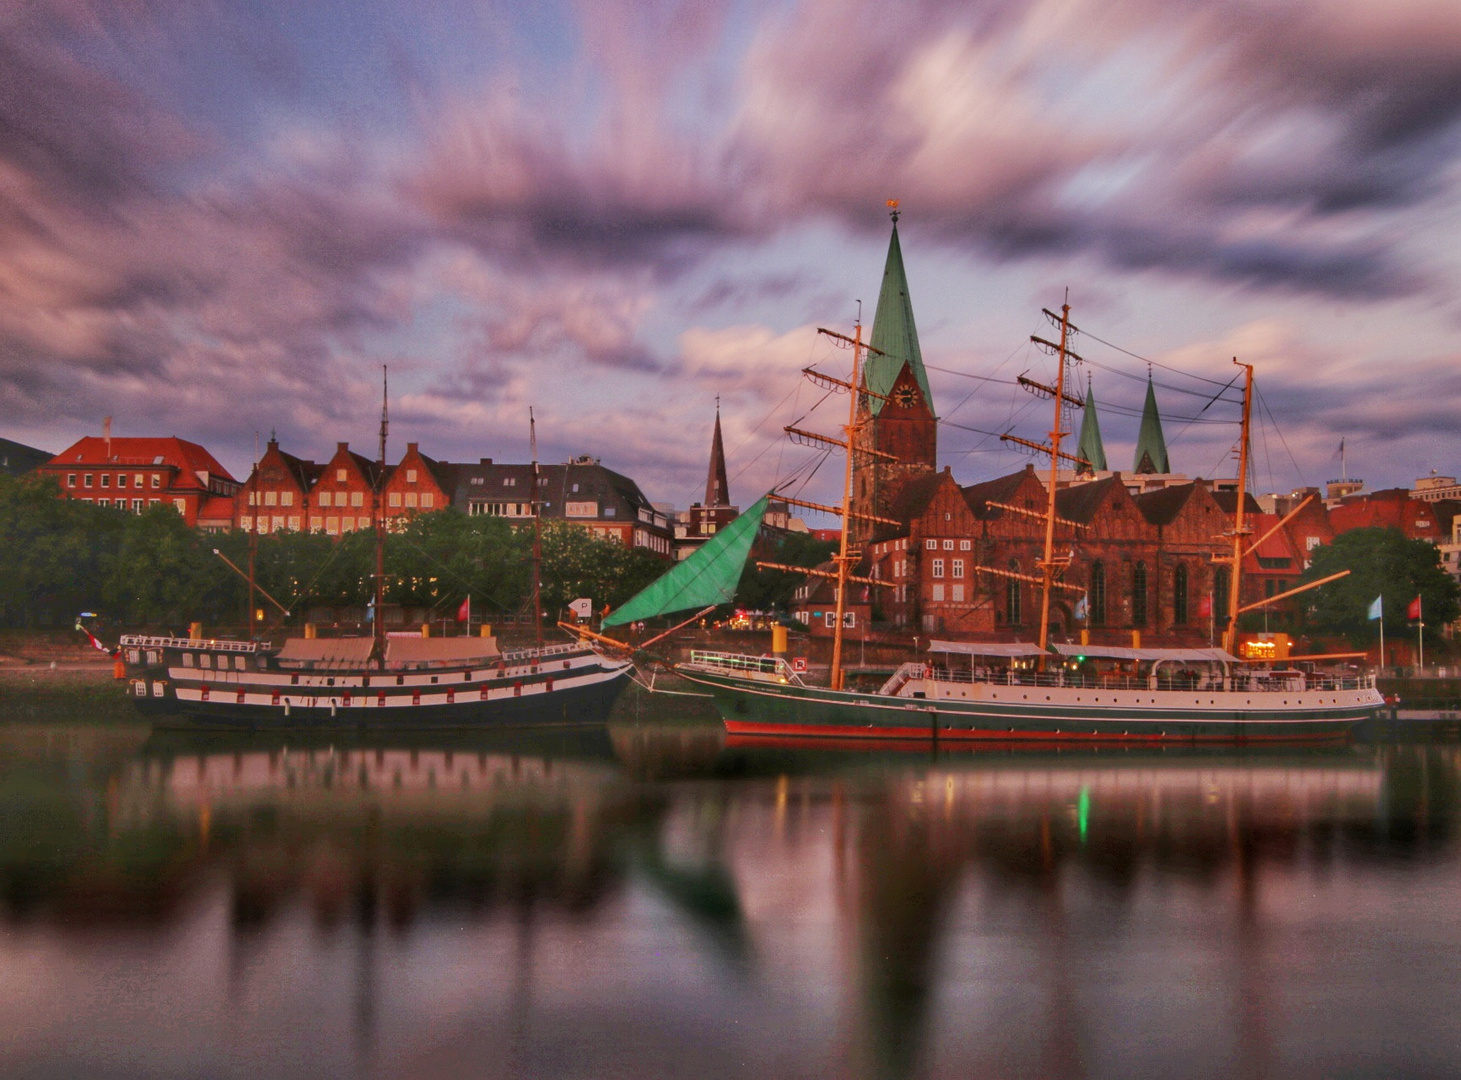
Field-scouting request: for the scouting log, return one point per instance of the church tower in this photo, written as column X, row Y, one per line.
column 1151, row 447
column 1090, row 448
column 895, row 414
column 716, row 512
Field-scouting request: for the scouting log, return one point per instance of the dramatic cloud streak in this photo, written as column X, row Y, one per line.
column 214, row 223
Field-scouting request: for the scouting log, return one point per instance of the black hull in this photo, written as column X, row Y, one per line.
column 570, row 705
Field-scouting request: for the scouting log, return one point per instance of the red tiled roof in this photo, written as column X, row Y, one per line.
column 187, row 457
column 217, row 508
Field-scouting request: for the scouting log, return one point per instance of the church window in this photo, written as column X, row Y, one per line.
column 938, row 568
column 1138, row 594
column 1097, row 594
column 1179, row 595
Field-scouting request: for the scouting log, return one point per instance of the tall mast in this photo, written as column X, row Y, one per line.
column 1230, row 635
column 843, row 558
column 537, row 534
column 378, row 505
column 1047, row 564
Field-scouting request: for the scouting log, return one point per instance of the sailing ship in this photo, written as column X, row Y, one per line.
column 1003, row 692
column 377, row 681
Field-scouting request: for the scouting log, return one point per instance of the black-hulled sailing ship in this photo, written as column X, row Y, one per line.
column 1002, row 692
column 376, row 681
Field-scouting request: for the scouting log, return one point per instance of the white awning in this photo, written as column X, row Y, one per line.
column 986, row 648
column 1121, row 652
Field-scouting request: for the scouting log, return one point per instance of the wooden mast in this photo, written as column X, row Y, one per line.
column 843, row 558
column 378, row 629
column 1047, row 564
column 1230, row 635
column 537, row 535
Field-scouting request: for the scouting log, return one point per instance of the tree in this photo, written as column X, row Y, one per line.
column 54, row 551
column 766, row 590
column 165, row 572
column 1383, row 563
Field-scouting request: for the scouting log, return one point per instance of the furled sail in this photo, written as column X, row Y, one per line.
column 710, row 576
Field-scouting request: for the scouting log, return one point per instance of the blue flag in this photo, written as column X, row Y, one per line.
column 1082, row 608
column 1377, row 608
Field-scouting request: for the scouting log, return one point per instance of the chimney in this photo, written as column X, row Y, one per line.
column 411, row 447
column 341, row 448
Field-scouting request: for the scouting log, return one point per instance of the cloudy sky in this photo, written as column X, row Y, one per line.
column 220, row 219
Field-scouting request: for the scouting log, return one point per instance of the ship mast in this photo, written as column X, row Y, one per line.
column 844, row 559
column 1047, row 563
column 1230, row 635
column 378, row 629
column 537, row 535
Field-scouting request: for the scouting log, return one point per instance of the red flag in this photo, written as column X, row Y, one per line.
column 1413, row 611
column 1204, row 608
column 464, row 613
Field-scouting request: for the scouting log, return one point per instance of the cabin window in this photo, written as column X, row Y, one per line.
column 204, row 660
column 1097, row 595
column 187, row 659
column 239, row 662
column 1138, row 594
column 1179, row 595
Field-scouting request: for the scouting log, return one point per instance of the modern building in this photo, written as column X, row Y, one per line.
column 132, row 473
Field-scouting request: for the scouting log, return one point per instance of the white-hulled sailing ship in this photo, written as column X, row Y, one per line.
column 1005, row 692
column 377, row 681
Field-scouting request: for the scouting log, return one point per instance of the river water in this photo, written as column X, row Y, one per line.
column 646, row 901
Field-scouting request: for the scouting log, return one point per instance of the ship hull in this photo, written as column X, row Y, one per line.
column 751, row 706
column 566, row 685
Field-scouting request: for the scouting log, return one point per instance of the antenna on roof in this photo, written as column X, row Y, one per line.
column 384, row 415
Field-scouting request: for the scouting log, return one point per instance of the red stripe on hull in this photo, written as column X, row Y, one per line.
column 743, row 728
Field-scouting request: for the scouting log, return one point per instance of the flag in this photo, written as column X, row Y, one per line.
column 1377, row 608
column 370, row 610
column 464, row 612
column 1082, row 608
column 1413, row 611
column 582, row 607
column 95, row 644
column 1204, row 607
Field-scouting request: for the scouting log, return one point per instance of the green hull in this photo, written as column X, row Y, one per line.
column 752, row 706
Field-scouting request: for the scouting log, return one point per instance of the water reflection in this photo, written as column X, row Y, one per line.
column 645, row 899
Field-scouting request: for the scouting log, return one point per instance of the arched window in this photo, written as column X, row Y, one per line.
column 1179, row 595
column 1098, row 594
column 1013, row 596
column 1221, row 582
column 1138, row 594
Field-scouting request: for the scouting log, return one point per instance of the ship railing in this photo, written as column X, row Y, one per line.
column 526, row 656
column 1287, row 683
column 148, row 641
column 740, row 663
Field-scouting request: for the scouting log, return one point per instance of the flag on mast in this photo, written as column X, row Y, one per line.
column 1377, row 608
column 1413, row 611
column 464, row 612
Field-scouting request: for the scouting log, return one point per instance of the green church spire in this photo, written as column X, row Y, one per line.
column 1151, row 448
column 1090, row 446
column 894, row 332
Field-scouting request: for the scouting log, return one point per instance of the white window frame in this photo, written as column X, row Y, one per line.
column 937, row 568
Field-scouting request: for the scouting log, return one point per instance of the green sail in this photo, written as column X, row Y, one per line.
column 709, row 576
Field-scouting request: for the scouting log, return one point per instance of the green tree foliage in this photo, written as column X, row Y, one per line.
column 441, row 557
column 767, row 590
column 55, row 551
column 578, row 564
column 1382, row 562
column 166, row 572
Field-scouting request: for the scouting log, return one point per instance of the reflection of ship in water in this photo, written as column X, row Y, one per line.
column 941, row 911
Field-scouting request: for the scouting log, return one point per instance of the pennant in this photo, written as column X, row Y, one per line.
column 1413, row 611
column 1377, row 608
column 464, row 612
column 583, row 607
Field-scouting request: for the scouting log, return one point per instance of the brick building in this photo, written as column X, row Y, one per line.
column 275, row 497
column 133, row 473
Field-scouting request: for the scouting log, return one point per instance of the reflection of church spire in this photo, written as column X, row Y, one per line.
column 1090, row 447
column 717, row 487
column 1151, row 448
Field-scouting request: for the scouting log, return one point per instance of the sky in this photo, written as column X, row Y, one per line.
column 220, row 220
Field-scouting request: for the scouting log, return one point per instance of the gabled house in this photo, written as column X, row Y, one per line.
column 275, row 497
column 343, row 498
column 133, row 473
